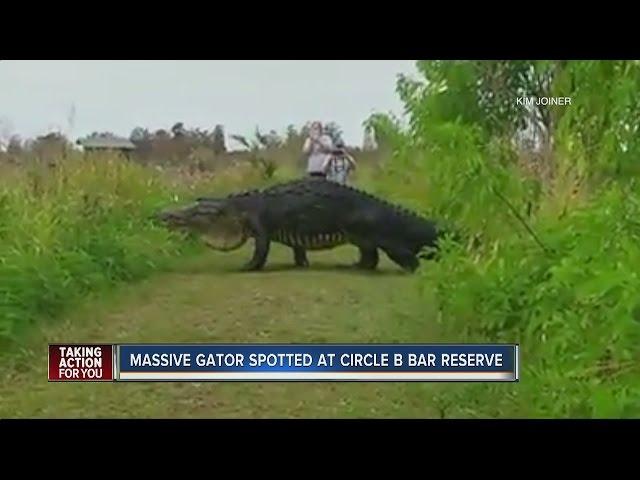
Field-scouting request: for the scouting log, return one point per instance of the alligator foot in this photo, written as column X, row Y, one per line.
column 368, row 259
column 300, row 257
column 251, row 267
column 364, row 266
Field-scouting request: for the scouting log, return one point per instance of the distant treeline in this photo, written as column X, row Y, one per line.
column 197, row 148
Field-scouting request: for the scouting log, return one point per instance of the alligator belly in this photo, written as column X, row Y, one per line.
column 310, row 241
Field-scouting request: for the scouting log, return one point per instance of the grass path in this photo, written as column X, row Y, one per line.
column 206, row 300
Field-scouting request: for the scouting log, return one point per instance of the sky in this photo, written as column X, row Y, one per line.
column 79, row 97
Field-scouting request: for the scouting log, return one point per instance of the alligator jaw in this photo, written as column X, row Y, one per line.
column 170, row 219
column 224, row 243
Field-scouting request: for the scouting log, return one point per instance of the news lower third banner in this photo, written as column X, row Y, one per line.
column 285, row 362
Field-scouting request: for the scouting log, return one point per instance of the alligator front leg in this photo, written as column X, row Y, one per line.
column 260, row 254
column 261, row 249
column 300, row 257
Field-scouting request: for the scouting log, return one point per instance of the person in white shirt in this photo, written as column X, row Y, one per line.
column 319, row 147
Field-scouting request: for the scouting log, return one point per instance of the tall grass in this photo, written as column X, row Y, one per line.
column 77, row 227
column 77, row 224
column 73, row 229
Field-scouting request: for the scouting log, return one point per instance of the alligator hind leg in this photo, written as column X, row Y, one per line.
column 300, row 257
column 368, row 258
column 404, row 258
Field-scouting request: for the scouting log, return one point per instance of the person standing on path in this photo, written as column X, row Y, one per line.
column 339, row 165
column 319, row 147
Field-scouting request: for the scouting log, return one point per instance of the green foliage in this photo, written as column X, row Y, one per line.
column 573, row 312
column 266, row 167
column 598, row 135
column 75, row 230
column 457, row 176
column 80, row 225
column 480, row 93
column 219, row 144
column 572, row 303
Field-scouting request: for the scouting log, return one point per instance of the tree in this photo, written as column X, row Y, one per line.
column 139, row 135
column 219, row 142
column 387, row 129
column 178, row 130
column 369, row 140
column 242, row 140
column 262, row 140
column 15, row 145
column 6, row 129
column 304, row 131
column 334, row 131
column 483, row 93
column 257, row 149
column 51, row 146
column 292, row 133
column 273, row 139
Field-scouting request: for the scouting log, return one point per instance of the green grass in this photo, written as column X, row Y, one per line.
column 73, row 231
column 205, row 299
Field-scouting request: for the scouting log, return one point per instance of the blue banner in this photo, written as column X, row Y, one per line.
column 314, row 362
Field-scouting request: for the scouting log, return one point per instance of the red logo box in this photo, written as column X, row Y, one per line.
column 81, row 363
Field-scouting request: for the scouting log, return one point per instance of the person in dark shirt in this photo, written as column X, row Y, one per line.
column 339, row 165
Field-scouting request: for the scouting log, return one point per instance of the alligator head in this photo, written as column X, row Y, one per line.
column 213, row 220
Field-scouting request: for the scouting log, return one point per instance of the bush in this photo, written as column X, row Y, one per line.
column 555, row 270
column 575, row 312
column 76, row 229
column 80, row 225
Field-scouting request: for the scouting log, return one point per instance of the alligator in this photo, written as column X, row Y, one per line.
column 309, row 214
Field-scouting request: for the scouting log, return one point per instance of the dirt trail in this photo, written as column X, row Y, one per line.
column 206, row 300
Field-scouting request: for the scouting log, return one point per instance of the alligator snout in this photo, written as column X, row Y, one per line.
column 166, row 217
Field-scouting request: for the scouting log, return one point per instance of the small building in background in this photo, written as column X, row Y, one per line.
column 106, row 143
